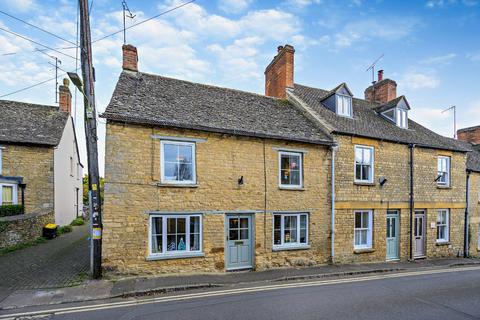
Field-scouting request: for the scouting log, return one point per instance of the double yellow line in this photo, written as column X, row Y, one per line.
column 122, row 304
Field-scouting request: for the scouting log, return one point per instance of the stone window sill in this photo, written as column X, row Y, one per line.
column 360, row 183
column 442, row 243
column 288, row 248
column 292, row 188
column 174, row 185
column 175, row 256
column 444, row 187
column 361, row 251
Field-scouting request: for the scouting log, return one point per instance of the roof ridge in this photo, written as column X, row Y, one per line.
column 208, row 85
column 28, row 104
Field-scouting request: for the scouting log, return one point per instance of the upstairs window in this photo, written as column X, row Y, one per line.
column 443, row 172
column 402, row 118
column 178, row 162
column 344, row 105
column 364, row 164
column 290, row 169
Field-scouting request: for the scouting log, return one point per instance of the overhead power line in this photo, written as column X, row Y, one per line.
column 26, row 88
column 36, row 42
column 37, row 27
column 146, row 20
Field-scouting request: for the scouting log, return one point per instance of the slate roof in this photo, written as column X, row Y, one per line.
column 27, row 123
column 366, row 122
column 390, row 104
column 473, row 157
column 155, row 100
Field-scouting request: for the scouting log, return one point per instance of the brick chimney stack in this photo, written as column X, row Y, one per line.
column 279, row 73
column 471, row 134
column 65, row 97
column 382, row 91
column 130, row 58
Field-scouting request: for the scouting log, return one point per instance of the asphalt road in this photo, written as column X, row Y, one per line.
column 441, row 295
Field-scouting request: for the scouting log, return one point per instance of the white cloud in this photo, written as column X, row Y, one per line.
column 234, row 6
column 442, row 3
column 417, row 80
column 369, row 29
column 439, row 60
column 20, row 5
column 300, row 4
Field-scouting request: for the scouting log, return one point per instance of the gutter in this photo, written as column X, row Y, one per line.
column 466, row 225
column 334, row 149
column 411, row 203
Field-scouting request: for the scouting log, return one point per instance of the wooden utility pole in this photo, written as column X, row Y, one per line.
column 91, row 137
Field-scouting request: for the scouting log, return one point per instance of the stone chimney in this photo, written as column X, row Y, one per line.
column 382, row 91
column 279, row 73
column 471, row 134
column 130, row 57
column 65, row 97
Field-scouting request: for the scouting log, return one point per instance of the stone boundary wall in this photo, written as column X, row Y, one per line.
column 23, row 228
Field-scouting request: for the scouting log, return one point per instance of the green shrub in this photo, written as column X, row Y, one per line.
column 64, row 229
column 77, row 222
column 11, row 210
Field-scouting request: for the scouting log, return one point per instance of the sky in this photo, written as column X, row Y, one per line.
column 431, row 48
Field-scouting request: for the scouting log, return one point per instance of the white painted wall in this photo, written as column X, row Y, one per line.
column 68, row 177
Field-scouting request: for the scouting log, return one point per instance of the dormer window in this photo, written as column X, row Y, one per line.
column 344, row 105
column 401, row 118
column 396, row 111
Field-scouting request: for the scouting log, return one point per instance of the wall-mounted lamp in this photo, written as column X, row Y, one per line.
column 240, row 181
column 382, row 181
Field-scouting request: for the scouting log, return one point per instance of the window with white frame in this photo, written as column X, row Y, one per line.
column 178, row 162
column 363, row 229
column 8, row 194
column 443, row 172
column 402, row 118
column 175, row 234
column 291, row 174
column 442, row 225
column 344, row 105
column 364, row 164
column 1, row 160
column 290, row 230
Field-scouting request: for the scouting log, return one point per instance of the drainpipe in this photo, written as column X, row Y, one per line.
column 411, row 205
column 334, row 149
column 465, row 228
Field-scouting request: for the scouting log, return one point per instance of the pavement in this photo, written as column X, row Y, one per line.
column 448, row 292
column 141, row 286
column 59, row 262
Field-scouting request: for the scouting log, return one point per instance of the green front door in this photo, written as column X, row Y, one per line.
column 393, row 235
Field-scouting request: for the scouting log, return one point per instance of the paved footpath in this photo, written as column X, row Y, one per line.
column 56, row 263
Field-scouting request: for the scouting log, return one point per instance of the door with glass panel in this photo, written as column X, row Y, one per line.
column 393, row 239
column 239, row 254
column 419, row 233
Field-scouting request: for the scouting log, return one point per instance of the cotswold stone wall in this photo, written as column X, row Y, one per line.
column 35, row 165
column 23, row 228
column 392, row 162
column 474, row 211
column 132, row 173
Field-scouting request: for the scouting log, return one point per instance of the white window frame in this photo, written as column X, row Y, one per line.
column 290, row 186
column 372, row 163
column 369, row 230
column 341, row 98
column 174, row 254
column 162, row 164
column 446, row 225
column 1, row 160
column 401, row 116
column 445, row 183
column 290, row 245
column 14, row 190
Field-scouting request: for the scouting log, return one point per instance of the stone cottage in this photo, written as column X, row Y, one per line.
column 40, row 166
column 200, row 178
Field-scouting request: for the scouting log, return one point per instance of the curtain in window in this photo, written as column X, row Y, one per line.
column 7, row 195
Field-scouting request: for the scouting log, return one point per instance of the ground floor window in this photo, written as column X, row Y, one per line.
column 290, row 229
column 175, row 234
column 363, row 229
column 442, row 225
column 8, row 194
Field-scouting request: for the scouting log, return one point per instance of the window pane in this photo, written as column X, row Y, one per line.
column 157, row 244
column 243, row 222
column 277, row 222
column 157, row 225
column 295, row 177
column 185, row 154
column 181, row 225
column 358, row 220
column 363, row 237
column 367, row 156
column 287, row 236
column 276, row 237
column 287, row 221
column 285, row 177
column 233, row 234
column 194, row 224
column 181, row 245
column 303, row 221
column 7, row 195
column 357, row 237
column 365, row 172
column 388, row 228
column 303, row 236
column 171, row 242
column 358, row 155
column 194, row 242
column 170, row 171
column 285, row 162
column 365, row 219
column 243, row 234
column 358, row 172
column 170, row 152
column 185, row 171
column 233, row 223
column 171, row 225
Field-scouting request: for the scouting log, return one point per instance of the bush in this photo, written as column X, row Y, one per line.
column 11, row 210
column 64, row 229
column 77, row 222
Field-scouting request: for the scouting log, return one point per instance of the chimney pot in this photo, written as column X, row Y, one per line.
column 279, row 73
column 130, row 57
column 65, row 97
column 380, row 75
